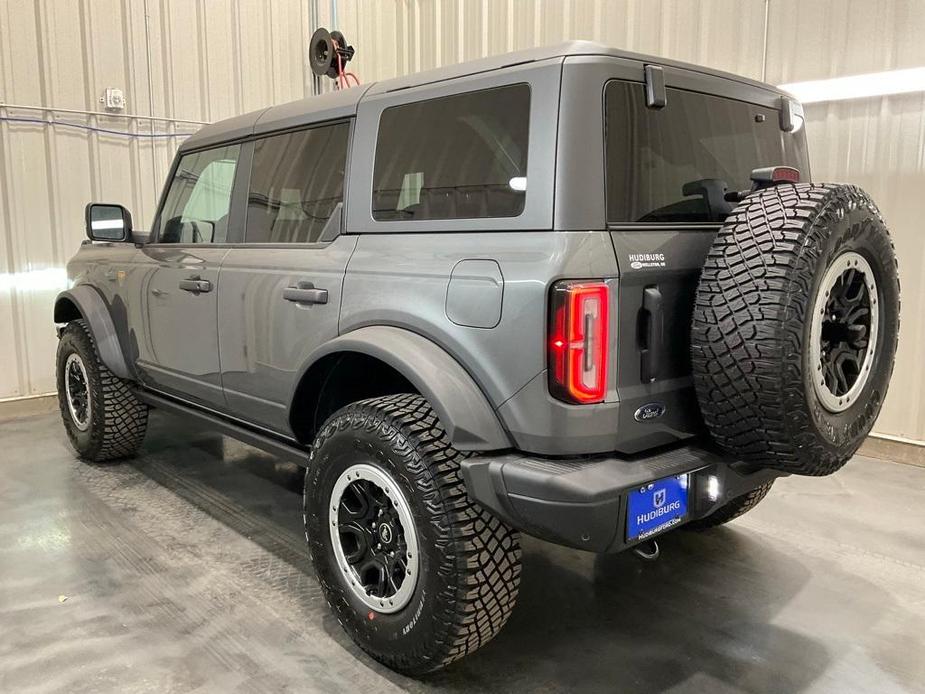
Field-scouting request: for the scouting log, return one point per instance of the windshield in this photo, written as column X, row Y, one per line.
column 673, row 165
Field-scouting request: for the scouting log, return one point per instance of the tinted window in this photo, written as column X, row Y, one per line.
column 297, row 179
column 456, row 157
column 660, row 162
column 197, row 203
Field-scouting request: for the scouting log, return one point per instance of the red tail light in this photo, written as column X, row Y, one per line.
column 785, row 174
column 768, row 176
column 578, row 341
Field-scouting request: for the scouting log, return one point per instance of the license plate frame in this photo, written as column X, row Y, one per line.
column 657, row 507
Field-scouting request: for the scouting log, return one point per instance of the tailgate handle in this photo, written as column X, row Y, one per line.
column 652, row 333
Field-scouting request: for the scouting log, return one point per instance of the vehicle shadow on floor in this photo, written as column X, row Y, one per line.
column 698, row 619
column 701, row 618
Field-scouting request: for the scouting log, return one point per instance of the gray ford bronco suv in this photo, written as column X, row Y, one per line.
column 574, row 292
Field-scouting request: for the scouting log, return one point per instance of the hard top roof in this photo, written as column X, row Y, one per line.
column 343, row 103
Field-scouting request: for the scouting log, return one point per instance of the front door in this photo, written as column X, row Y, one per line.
column 177, row 285
column 280, row 289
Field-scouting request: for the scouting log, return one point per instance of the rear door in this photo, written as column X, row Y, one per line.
column 280, row 296
column 666, row 173
column 175, row 279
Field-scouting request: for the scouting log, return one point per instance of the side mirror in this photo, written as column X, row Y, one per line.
column 108, row 222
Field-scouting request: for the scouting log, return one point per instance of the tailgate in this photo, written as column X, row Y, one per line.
column 659, row 270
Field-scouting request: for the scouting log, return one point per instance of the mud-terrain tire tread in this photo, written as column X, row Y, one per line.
column 124, row 421
column 733, row 509
column 748, row 323
column 479, row 555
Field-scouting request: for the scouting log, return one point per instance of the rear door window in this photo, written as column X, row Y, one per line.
column 456, row 157
column 297, row 179
column 672, row 164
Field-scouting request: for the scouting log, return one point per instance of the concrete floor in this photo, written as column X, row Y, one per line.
column 185, row 569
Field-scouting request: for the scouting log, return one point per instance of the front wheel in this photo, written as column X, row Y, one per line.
column 416, row 573
column 102, row 417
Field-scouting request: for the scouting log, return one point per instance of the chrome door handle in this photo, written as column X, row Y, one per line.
column 196, row 285
column 306, row 293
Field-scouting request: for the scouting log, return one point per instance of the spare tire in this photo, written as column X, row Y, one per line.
column 795, row 326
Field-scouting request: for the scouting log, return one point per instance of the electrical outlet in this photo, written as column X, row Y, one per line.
column 113, row 99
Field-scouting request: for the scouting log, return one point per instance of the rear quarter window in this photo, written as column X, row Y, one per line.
column 670, row 165
column 457, row 157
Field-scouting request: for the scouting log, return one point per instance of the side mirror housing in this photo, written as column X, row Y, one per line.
column 108, row 222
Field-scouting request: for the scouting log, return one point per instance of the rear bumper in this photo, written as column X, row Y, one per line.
column 582, row 502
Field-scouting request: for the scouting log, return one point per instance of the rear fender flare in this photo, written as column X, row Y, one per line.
column 464, row 411
column 94, row 311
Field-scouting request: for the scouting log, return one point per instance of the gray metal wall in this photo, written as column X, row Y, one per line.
column 213, row 58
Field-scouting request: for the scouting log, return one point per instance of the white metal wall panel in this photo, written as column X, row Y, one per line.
column 210, row 59
column 817, row 40
column 396, row 38
column 878, row 143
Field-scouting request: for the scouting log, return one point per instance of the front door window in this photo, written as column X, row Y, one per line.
column 199, row 199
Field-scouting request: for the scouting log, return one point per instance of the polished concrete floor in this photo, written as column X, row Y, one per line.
column 185, row 570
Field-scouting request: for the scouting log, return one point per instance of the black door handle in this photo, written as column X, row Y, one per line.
column 306, row 293
column 653, row 334
column 196, row 285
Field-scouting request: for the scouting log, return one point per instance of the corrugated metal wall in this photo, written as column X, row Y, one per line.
column 182, row 61
column 877, row 143
column 210, row 59
column 402, row 37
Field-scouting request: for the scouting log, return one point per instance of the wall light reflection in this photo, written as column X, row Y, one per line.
column 859, row 86
column 47, row 279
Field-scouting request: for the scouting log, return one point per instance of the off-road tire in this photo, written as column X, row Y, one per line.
column 750, row 341
column 469, row 571
column 118, row 420
column 732, row 509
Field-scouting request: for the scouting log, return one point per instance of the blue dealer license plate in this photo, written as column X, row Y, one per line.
column 656, row 507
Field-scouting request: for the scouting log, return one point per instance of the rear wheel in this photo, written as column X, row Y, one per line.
column 417, row 574
column 732, row 509
column 103, row 418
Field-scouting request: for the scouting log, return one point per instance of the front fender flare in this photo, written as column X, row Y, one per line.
column 464, row 411
column 94, row 311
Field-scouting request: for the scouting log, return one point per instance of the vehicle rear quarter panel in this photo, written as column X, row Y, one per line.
column 402, row 280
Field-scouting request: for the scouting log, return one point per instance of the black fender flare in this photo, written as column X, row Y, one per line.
column 464, row 411
column 94, row 311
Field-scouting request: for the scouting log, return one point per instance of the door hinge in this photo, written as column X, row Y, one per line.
column 656, row 93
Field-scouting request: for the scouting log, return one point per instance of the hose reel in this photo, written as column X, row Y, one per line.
column 328, row 53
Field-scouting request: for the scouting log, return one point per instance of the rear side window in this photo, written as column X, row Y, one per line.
column 197, row 203
column 671, row 164
column 297, row 179
column 456, row 157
